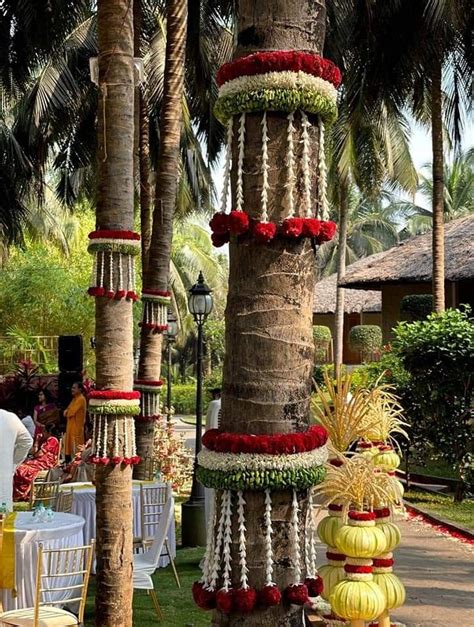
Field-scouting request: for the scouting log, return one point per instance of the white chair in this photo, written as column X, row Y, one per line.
column 59, row 572
column 145, row 564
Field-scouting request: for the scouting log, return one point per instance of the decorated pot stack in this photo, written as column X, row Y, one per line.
column 333, row 571
column 391, row 585
column 232, row 463
column 358, row 598
column 388, row 460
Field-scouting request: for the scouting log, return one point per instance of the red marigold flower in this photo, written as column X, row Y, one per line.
column 315, row 585
column 117, row 460
column 110, row 294
column 269, row 596
column 238, row 222
column 119, row 294
column 205, row 599
column 225, row 600
column 264, row 232
column 245, row 599
column 209, row 438
column 219, row 223
column 327, row 232
column 311, row 227
column 292, row 227
column 296, row 594
column 219, row 239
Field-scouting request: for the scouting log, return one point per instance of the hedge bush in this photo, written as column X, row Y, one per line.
column 322, row 337
column 365, row 338
column 183, row 396
column 416, row 306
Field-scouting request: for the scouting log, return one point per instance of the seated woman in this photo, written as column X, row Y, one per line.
column 80, row 469
column 45, row 457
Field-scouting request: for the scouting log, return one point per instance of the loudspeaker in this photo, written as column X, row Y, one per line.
column 70, row 353
column 65, row 381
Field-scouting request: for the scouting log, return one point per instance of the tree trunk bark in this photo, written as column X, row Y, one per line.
column 269, row 347
column 167, row 172
column 341, row 270
column 114, row 321
column 438, row 189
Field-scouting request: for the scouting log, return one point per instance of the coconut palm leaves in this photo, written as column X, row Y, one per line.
column 384, row 418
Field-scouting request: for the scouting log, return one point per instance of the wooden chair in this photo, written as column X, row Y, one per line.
column 64, row 501
column 149, row 467
column 152, row 502
column 45, row 492
column 53, row 568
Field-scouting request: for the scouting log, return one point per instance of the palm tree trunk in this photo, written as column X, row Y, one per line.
column 167, row 172
column 341, row 270
column 269, row 346
column 438, row 188
column 114, row 351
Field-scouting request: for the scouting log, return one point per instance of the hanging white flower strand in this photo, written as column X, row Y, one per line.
column 207, row 569
column 240, row 165
column 296, row 536
column 216, row 562
column 290, row 162
column 265, row 168
column 102, row 268
column 305, row 124
column 227, row 540
column 310, row 539
column 227, row 167
column 323, row 186
column 242, row 540
column 268, row 539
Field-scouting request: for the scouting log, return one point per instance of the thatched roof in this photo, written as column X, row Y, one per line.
column 355, row 301
column 411, row 261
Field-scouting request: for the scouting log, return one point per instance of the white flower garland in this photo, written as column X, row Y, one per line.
column 290, row 162
column 278, row 80
column 240, row 165
column 322, row 173
column 305, row 124
column 209, row 554
column 296, row 536
column 113, row 402
column 216, row 561
column 310, row 539
column 227, row 166
column 268, row 539
column 242, row 540
column 265, row 168
column 227, row 540
column 260, row 461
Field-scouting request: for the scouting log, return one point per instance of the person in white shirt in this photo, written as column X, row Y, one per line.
column 15, row 442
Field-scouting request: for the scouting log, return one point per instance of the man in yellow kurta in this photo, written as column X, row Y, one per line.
column 76, row 420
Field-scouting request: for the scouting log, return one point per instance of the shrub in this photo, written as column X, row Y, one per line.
column 213, row 380
column 438, row 354
column 416, row 306
column 365, row 338
column 183, row 398
column 322, row 337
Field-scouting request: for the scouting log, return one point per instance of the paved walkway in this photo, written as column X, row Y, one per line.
column 438, row 574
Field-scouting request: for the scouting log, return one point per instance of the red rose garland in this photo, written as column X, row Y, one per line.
column 278, row 444
column 238, row 222
column 114, row 395
column 110, row 234
column 264, row 232
column 280, row 61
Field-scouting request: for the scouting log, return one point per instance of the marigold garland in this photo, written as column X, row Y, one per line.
column 278, row 444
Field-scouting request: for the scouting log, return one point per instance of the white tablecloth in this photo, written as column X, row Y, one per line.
column 84, row 505
column 65, row 530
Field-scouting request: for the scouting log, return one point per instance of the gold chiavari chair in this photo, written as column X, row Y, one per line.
column 64, row 501
column 149, row 467
column 45, row 492
column 152, row 501
column 62, row 578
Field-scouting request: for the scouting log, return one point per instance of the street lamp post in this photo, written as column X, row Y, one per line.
column 171, row 333
column 193, row 519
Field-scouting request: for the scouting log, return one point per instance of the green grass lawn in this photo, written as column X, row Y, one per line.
column 176, row 603
column 443, row 506
column 435, row 468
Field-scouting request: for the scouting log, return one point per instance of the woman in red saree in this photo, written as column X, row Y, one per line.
column 46, row 457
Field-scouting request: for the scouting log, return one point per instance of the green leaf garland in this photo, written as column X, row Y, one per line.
column 299, row 478
column 113, row 247
column 115, row 410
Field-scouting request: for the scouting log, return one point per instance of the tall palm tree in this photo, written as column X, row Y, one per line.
column 114, row 320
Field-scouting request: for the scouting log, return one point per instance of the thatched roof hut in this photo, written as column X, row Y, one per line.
column 411, row 261
column 355, row 301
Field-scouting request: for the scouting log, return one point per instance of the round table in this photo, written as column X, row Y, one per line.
column 84, row 505
column 65, row 530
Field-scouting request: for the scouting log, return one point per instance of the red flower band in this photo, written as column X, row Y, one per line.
column 151, row 292
column 362, row 515
column 335, row 557
column 114, row 395
column 280, row 61
column 279, row 444
column 384, row 512
column 150, row 326
column 156, row 384
column 352, row 568
column 380, row 563
column 111, row 234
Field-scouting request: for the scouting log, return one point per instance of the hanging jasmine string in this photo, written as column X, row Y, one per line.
column 268, row 539
column 323, row 199
column 265, row 186
column 296, row 536
column 290, row 162
column 305, row 124
column 227, row 167
column 227, row 541
column 242, row 541
column 240, row 165
column 216, row 564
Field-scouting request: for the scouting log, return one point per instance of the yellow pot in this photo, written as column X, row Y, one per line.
column 392, row 588
column 387, row 460
column 328, row 528
column 331, row 576
column 360, row 541
column 357, row 600
column 392, row 535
